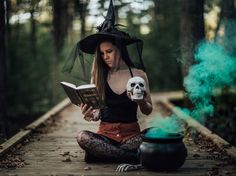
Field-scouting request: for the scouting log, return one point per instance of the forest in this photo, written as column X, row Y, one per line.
column 182, row 43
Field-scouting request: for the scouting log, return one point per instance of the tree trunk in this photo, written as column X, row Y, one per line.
column 2, row 71
column 8, row 35
column 228, row 9
column 81, row 7
column 82, row 18
column 228, row 16
column 33, row 28
column 191, row 31
column 7, row 17
column 60, row 22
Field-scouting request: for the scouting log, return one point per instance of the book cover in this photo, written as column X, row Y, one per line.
column 86, row 94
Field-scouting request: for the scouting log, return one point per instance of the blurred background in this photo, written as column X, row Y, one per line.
column 36, row 38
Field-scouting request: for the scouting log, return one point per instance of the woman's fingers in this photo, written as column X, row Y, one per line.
column 96, row 114
column 129, row 94
column 87, row 118
column 145, row 94
column 88, row 112
column 84, row 108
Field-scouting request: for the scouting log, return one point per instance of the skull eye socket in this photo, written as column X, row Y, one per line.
column 141, row 85
column 132, row 84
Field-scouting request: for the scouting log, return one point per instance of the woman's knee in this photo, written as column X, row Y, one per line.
column 83, row 136
column 132, row 143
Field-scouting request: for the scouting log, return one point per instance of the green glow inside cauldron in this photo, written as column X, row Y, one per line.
column 164, row 127
column 160, row 133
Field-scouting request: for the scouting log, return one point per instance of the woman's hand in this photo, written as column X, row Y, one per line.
column 89, row 113
column 144, row 104
column 138, row 101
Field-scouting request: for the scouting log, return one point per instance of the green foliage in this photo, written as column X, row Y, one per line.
column 35, row 69
column 161, row 46
column 29, row 79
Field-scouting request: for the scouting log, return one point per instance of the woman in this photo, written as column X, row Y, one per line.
column 118, row 136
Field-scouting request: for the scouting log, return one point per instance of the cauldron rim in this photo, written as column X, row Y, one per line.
column 176, row 137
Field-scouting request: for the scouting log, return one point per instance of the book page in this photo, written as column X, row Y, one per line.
column 85, row 86
column 69, row 84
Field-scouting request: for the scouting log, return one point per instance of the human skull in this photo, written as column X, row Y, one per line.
column 136, row 86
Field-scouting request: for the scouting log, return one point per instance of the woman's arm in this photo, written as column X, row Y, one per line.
column 146, row 104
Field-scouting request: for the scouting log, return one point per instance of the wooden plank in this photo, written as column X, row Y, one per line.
column 173, row 95
column 78, row 162
column 13, row 141
column 53, row 112
column 25, row 132
column 44, row 156
column 93, row 173
column 75, row 165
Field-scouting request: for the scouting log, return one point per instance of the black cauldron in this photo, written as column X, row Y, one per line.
column 166, row 153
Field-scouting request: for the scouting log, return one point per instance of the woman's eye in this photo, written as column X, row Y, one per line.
column 109, row 51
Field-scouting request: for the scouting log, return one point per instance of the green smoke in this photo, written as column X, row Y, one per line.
column 164, row 127
column 215, row 68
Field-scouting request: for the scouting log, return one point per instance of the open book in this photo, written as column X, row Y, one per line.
column 86, row 94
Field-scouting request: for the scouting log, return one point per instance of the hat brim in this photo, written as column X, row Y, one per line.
column 89, row 43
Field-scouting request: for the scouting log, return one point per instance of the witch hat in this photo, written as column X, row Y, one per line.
column 79, row 66
column 107, row 30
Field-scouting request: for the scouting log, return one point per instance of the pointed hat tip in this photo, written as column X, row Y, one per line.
column 109, row 22
column 110, row 12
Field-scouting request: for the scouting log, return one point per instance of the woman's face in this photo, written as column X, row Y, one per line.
column 110, row 54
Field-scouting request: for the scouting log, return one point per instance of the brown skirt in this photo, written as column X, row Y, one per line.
column 119, row 132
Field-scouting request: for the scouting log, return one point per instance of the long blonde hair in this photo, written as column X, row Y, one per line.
column 99, row 73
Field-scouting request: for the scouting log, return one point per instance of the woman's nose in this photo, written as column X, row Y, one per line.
column 105, row 56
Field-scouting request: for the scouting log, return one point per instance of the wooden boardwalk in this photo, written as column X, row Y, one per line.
column 55, row 152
